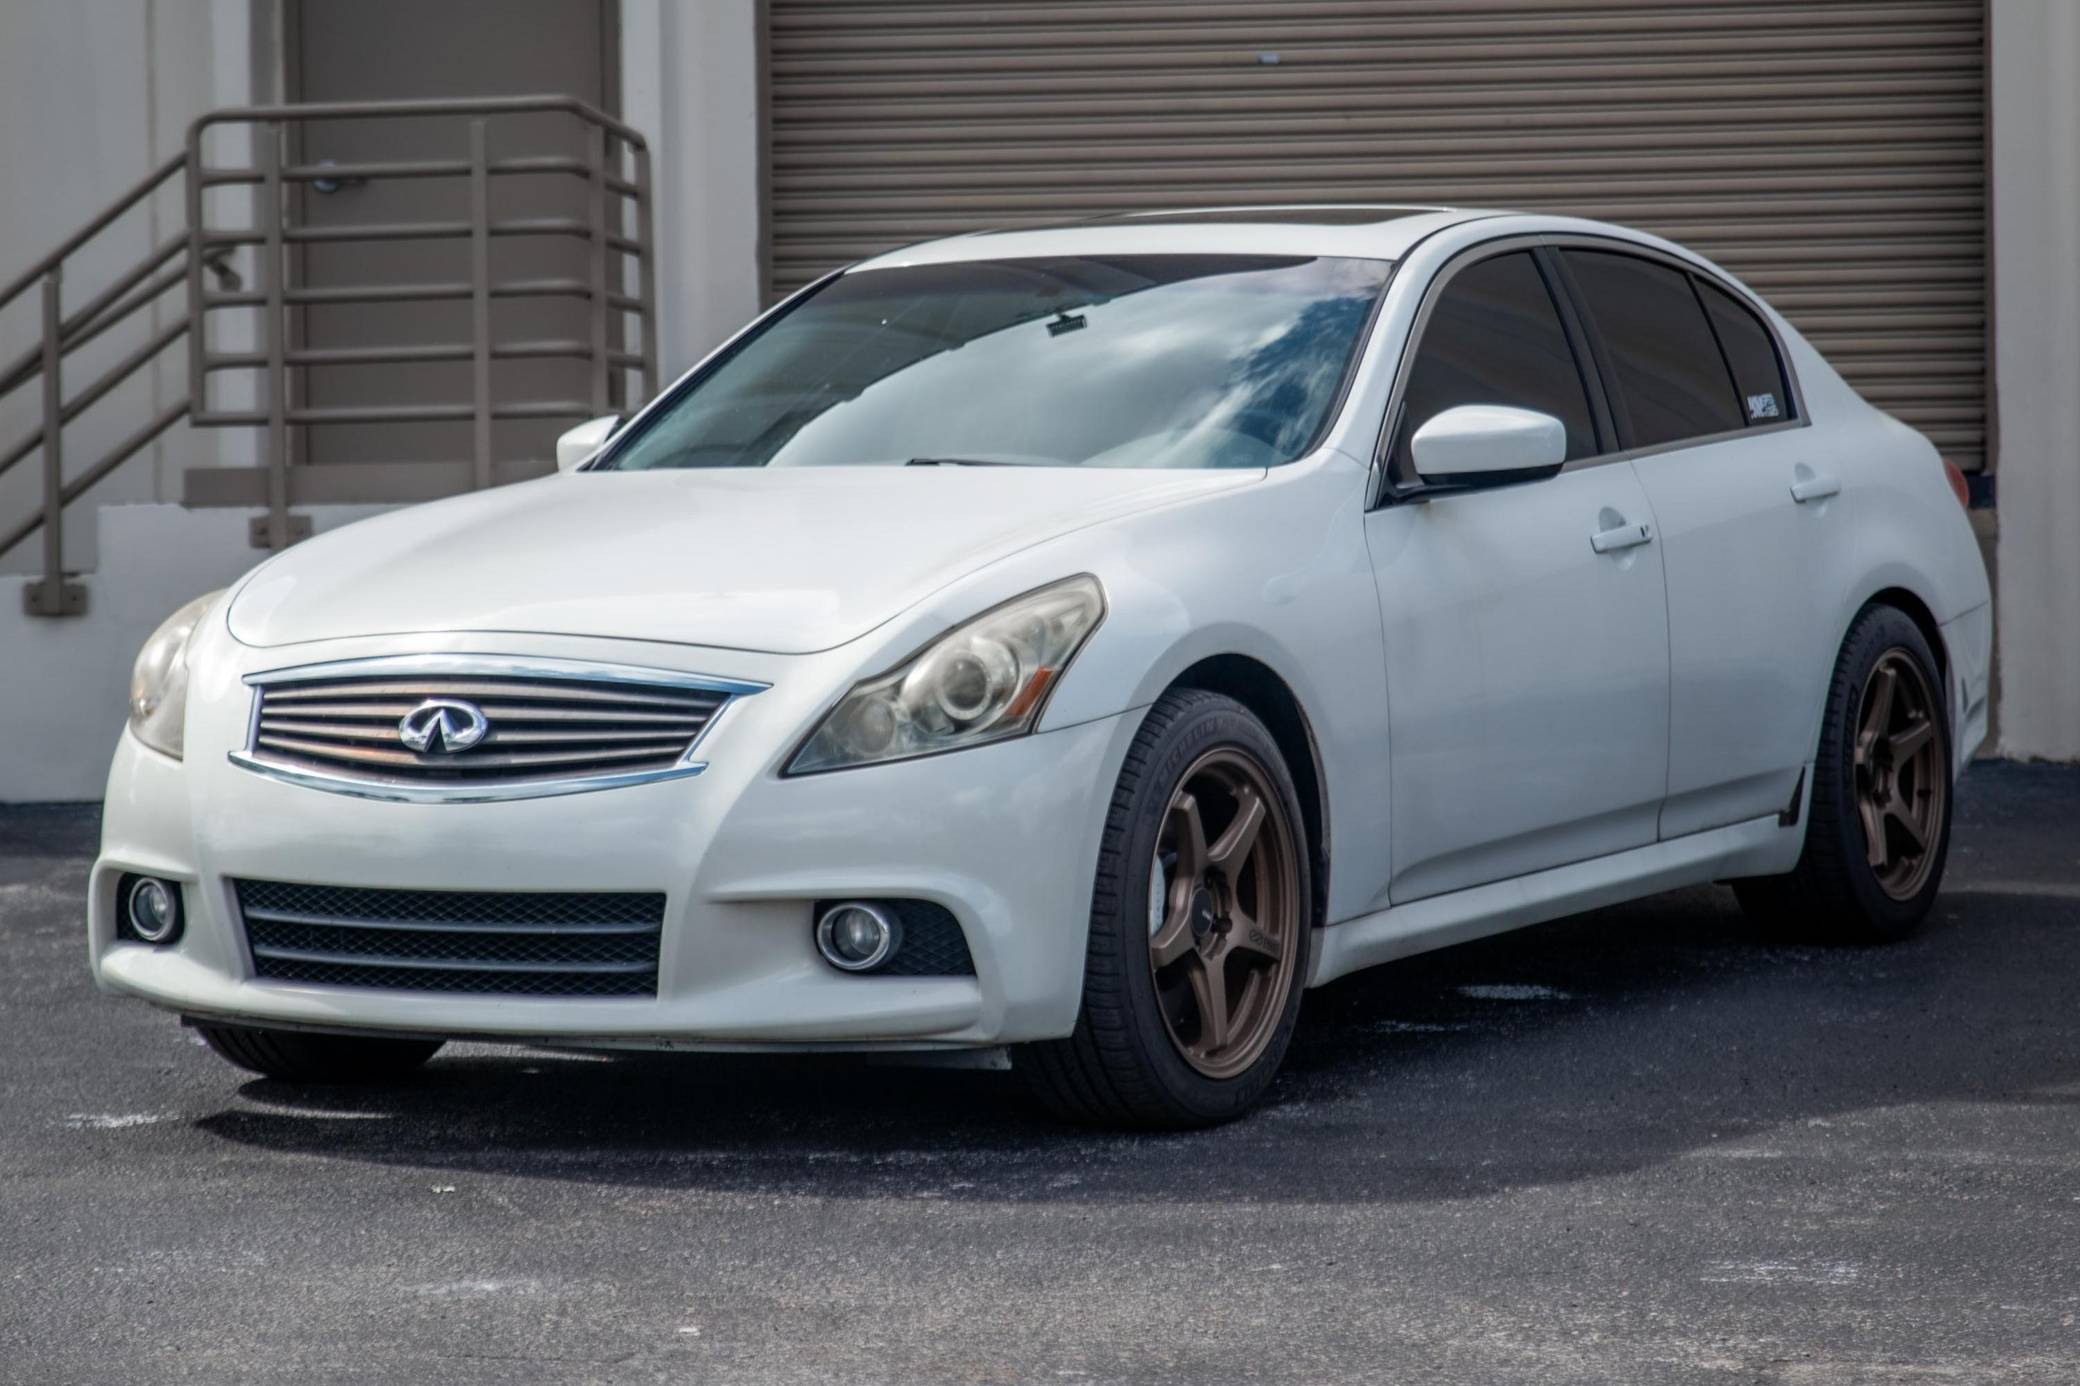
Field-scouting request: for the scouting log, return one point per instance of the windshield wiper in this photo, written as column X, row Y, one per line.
column 959, row 462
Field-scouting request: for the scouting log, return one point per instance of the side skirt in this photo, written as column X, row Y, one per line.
column 1757, row 847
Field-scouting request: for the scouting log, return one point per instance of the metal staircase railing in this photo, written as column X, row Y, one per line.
column 618, row 289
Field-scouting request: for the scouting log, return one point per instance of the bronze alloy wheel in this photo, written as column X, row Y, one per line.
column 1901, row 782
column 1877, row 805
column 1202, row 907
column 1224, row 913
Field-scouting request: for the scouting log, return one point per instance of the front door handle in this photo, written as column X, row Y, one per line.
column 1621, row 537
column 1809, row 485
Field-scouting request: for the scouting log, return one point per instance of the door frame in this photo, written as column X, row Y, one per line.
column 287, row 41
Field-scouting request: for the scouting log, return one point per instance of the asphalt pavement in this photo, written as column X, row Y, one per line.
column 1639, row 1145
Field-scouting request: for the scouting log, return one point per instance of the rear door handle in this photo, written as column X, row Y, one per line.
column 1814, row 486
column 1622, row 537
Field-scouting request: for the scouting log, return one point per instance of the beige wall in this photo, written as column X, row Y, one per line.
column 2036, row 345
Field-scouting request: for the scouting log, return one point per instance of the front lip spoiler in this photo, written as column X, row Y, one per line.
column 390, row 791
column 923, row 1048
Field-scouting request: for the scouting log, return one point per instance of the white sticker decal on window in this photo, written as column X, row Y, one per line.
column 1764, row 407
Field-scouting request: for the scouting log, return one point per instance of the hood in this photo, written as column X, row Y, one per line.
column 777, row 560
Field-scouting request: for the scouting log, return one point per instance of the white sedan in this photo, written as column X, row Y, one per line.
column 1080, row 641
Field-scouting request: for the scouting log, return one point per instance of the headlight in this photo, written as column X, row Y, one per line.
column 159, row 679
column 979, row 682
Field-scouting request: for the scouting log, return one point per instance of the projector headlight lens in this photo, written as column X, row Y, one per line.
column 980, row 682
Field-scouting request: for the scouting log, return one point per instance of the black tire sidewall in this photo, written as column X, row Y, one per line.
column 305, row 1057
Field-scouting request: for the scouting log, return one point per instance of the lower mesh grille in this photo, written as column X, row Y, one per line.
column 534, row 943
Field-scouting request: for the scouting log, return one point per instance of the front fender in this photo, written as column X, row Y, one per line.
column 1278, row 574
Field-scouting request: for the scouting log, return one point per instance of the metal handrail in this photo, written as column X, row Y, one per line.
column 616, row 170
column 85, row 399
column 602, row 230
column 473, row 105
column 104, row 312
column 52, row 595
column 140, row 190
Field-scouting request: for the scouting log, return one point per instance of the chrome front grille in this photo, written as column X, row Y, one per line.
column 515, row 943
column 476, row 727
column 538, row 726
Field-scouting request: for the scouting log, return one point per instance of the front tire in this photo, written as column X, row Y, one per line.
column 1199, row 929
column 298, row 1057
column 1879, row 832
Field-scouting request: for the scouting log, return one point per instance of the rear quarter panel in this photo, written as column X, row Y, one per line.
column 1902, row 528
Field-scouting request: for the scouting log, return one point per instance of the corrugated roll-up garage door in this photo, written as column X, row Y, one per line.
column 1831, row 152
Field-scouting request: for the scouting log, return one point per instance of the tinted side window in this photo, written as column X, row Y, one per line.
column 1494, row 337
column 1752, row 352
column 1671, row 380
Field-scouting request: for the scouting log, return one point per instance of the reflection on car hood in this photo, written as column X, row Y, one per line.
column 785, row 561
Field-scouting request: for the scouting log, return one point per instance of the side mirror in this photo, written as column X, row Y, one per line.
column 584, row 440
column 1488, row 444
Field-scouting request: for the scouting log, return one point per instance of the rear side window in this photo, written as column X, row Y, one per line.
column 1494, row 337
column 1752, row 353
column 1671, row 380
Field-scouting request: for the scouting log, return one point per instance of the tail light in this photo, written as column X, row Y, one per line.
column 1959, row 487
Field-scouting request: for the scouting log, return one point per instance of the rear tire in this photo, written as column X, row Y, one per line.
column 1199, row 929
column 297, row 1057
column 1878, row 834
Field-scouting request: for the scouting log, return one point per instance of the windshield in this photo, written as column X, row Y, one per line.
column 1084, row 361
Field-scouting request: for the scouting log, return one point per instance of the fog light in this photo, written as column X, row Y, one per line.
column 152, row 909
column 856, row 936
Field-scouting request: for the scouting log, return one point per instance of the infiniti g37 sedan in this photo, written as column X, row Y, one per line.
column 1078, row 641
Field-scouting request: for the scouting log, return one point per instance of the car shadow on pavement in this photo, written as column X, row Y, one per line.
column 1587, row 1047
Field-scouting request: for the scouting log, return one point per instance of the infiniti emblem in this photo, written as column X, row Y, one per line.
column 443, row 726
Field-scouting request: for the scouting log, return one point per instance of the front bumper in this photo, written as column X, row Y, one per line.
column 1005, row 836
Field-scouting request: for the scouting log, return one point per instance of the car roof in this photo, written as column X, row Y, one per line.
column 1381, row 232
